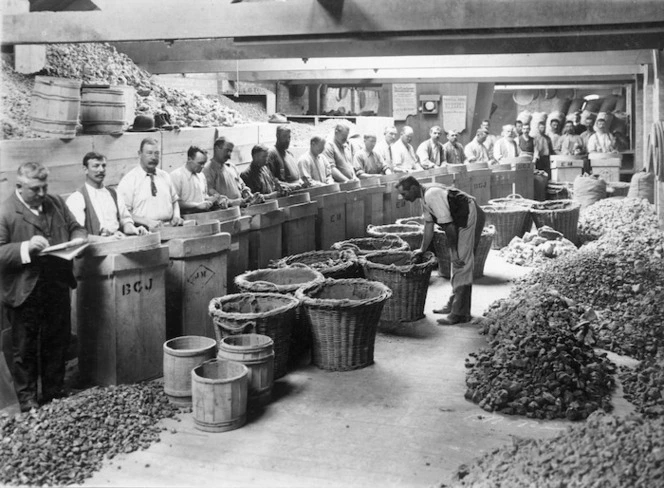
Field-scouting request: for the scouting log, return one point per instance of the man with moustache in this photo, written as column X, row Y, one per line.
column 148, row 191
column 191, row 186
column 35, row 289
column 315, row 170
column 384, row 147
column 452, row 150
column 569, row 143
column 281, row 162
column 404, row 158
column 339, row 155
column 431, row 152
column 475, row 151
column 98, row 208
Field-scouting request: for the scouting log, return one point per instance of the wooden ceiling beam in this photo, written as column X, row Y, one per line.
column 145, row 20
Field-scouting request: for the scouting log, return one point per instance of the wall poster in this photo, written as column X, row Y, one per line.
column 404, row 100
column 454, row 112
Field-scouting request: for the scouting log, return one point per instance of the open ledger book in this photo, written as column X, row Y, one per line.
column 66, row 250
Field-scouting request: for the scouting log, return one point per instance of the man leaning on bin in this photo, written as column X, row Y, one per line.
column 35, row 288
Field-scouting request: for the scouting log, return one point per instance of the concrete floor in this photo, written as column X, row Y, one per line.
column 402, row 422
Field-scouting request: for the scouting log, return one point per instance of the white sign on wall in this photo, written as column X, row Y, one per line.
column 404, row 100
column 454, row 112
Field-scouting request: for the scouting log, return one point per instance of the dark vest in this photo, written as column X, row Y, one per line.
column 92, row 224
column 458, row 201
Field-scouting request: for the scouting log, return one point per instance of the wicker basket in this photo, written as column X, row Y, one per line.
column 409, row 282
column 269, row 314
column 514, row 199
column 509, row 221
column 280, row 280
column 483, row 248
column 344, row 317
column 561, row 215
column 559, row 191
column 412, row 234
column 365, row 245
column 410, row 221
column 346, row 265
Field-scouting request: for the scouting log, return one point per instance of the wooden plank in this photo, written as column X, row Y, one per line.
column 29, row 58
column 210, row 19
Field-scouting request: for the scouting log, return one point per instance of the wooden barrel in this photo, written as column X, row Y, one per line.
column 54, row 107
column 103, row 110
column 256, row 352
column 219, row 395
column 181, row 355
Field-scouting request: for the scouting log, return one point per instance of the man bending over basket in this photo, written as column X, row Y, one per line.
column 462, row 220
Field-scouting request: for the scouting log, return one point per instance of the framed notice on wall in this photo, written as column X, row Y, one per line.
column 454, row 112
column 404, row 100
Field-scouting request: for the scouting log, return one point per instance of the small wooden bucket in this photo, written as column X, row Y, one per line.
column 219, row 393
column 256, row 352
column 181, row 355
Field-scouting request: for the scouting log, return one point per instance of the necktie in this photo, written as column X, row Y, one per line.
column 153, row 187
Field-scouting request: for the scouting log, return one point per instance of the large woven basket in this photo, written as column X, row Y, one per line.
column 514, row 199
column 344, row 317
column 365, row 245
column 410, row 221
column 278, row 280
column 408, row 281
column 412, row 234
column 483, row 248
column 286, row 279
column 617, row 189
column 509, row 221
column 331, row 264
column 269, row 314
column 561, row 215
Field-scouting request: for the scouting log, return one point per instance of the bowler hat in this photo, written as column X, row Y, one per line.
column 142, row 123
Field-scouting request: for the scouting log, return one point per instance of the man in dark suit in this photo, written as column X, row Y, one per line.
column 35, row 289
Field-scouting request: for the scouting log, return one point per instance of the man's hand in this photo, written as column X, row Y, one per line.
column 78, row 241
column 118, row 235
column 36, row 244
column 459, row 263
column 154, row 225
column 177, row 221
column 204, row 205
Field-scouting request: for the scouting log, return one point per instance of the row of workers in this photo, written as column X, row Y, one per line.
column 34, row 287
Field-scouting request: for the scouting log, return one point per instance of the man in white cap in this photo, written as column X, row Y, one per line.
column 475, row 151
column 600, row 141
column 430, row 151
column 506, row 147
column 453, row 150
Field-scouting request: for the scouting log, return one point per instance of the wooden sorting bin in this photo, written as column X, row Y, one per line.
column 606, row 165
column 524, row 179
column 566, row 168
column 232, row 222
column 197, row 273
column 331, row 219
column 480, row 182
column 265, row 233
column 443, row 177
column 395, row 207
column 502, row 182
column 354, row 208
column 461, row 177
column 373, row 202
column 299, row 227
column 121, row 310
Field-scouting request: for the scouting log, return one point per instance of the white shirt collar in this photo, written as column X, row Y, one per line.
column 40, row 208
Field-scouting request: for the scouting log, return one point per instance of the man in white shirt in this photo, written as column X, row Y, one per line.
column 490, row 138
column 314, row 169
column 384, row 147
column 148, row 191
column 430, row 151
column 191, row 186
column 339, row 156
column 367, row 163
column 600, row 141
column 506, row 146
column 404, row 159
column 100, row 209
column 475, row 151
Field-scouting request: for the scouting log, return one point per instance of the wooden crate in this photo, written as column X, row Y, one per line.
column 502, row 183
column 197, row 273
column 524, row 183
column 238, row 256
column 331, row 220
column 373, row 207
column 480, row 185
column 121, row 312
column 299, row 228
column 265, row 236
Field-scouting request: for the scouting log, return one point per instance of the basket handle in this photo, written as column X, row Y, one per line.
column 266, row 286
column 515, row 196
column 298, row 265
column 412, row 222
column 240, row 328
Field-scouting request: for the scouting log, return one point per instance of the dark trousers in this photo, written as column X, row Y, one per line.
column 40, row 335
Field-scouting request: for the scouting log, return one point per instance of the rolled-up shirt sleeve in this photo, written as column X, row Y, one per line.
column 76, row 204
